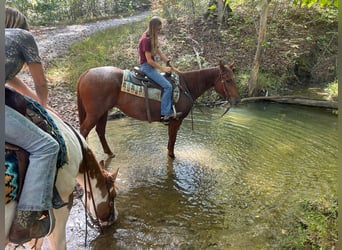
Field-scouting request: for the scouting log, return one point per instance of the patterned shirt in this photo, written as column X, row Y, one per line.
column 20, row 48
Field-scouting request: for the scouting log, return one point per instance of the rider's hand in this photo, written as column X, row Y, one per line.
column 167, row 69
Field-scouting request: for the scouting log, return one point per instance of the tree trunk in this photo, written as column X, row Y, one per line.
column 252, row 82
column 220, row 11
column 294, row 100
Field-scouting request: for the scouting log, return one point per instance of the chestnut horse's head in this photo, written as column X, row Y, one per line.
column 101, row 196
column 225, row 84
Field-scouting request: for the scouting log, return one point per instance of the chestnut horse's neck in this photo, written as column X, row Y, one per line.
column 199, row 81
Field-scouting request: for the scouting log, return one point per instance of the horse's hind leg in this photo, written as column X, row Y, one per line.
column 101, row 130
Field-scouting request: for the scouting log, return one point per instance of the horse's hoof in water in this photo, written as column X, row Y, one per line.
column 172, row 156
column 111, row 155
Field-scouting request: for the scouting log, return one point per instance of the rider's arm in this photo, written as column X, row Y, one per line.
column 16, row 84
column 40, row 82
column 155, row 64
column 162, row 56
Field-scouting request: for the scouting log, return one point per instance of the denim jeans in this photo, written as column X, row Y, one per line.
column 166, row 100
column 39, row 181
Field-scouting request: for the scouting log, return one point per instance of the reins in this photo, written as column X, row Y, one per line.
column 87, row 178
column 188, row 94
column 225, row 92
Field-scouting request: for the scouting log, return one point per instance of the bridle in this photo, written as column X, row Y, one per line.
column 225, row 90
column 110, row 199
column 221, row 80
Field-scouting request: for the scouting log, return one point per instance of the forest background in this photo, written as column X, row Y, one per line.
column 279, row 47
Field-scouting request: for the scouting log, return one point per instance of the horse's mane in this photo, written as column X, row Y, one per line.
column 196, row 71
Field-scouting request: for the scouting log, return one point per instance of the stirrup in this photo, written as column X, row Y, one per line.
column 176, row 114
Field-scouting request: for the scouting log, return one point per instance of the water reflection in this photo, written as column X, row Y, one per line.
column 236, row 181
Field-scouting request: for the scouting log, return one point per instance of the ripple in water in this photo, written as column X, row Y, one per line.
column 236, row 182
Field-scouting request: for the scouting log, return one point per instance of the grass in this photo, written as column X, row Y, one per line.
column 332, row 90
column 315, row 227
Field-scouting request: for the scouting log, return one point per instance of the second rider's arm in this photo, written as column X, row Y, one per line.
column 155, row 64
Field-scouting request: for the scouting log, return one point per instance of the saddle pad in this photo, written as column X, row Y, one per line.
column 11, row 176
column 130, row 87
column 55, row 133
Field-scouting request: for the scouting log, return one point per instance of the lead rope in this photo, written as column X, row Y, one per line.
column 85, row 207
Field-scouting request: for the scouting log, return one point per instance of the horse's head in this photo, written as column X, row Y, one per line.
column 101, row 195
column 225, row 84
column 106, row 210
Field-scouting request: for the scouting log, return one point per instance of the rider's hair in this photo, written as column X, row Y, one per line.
column 153, row 29
column 15, row 19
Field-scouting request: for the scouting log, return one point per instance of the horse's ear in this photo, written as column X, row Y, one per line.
column 231, row 66
column 114, row 174
column 221, row 64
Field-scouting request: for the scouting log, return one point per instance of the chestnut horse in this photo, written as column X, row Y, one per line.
column 99, row 89
column 81, row 166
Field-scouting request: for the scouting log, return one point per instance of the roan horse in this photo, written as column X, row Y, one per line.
column 99, row 89
column 81, row 166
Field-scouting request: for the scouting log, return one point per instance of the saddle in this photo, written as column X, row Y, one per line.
column 137, row 83
column 145, row 80
column 17, row 159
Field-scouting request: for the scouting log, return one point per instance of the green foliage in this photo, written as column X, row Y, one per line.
column 321, row 3
column 332, row 90
column 44, row 12
column 173, row 9
column 315, row 227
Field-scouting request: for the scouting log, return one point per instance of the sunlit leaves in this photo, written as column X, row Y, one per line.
column 321, row 3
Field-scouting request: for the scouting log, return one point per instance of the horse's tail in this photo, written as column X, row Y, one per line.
column 80, row 107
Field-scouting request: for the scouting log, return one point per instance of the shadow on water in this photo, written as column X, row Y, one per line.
column 236, row 182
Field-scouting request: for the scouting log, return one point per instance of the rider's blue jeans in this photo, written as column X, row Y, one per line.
column 38, row 186
column 166, row 100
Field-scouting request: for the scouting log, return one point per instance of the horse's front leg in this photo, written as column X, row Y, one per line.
column 173, row 130
column 57, row 238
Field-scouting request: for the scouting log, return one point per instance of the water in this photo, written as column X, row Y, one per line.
column 236, row 183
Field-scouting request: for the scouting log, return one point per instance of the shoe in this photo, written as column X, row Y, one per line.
column 165, row 119
column 31, row 224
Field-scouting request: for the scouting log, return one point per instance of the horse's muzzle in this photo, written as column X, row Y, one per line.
column 110, row 220
column 234, row 101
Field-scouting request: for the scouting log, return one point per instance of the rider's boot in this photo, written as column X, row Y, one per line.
column 28, row 225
